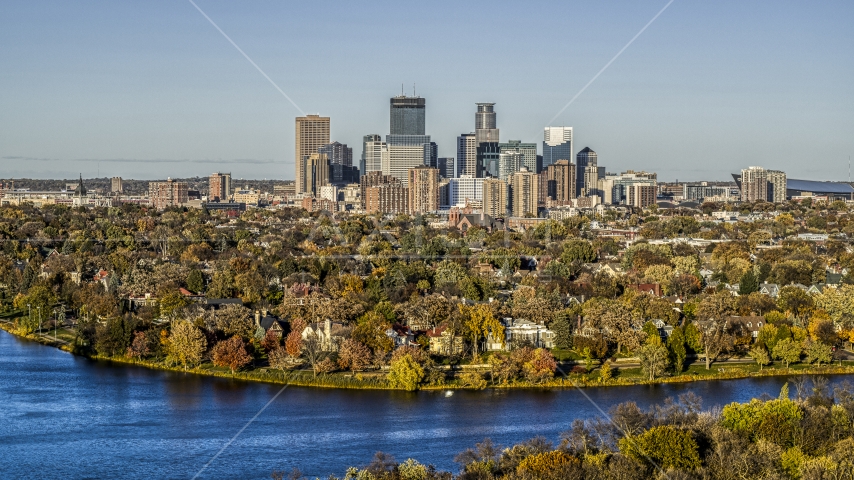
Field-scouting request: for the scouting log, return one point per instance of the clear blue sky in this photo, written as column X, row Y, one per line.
column 150, row 89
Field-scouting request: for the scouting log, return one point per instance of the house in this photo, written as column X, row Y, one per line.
column 519, row 332
column 102, row 277
column 443, row 342
column 706, row 273
column 751, row 324
column 833, row 278
column 401, row 335
column 664, row 330
column 650, row 288
column 770, row 289
column 330, row 334
column 136, row 301
column 190, row 295
column 269, row 323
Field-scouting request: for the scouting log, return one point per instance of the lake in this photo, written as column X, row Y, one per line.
column 64, row 416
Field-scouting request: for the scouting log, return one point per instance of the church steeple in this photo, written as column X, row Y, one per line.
column 80, row 191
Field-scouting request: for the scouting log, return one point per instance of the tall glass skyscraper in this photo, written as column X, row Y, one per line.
column 557, row 145
column 485, row 124
column 585, row 158
column 407, row 115
column 362, row 164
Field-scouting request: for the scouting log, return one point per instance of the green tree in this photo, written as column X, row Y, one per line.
column 748, row 283
column 405, row 373
column 562, row 332
column 677, row 349
column 819, row 353
column 788, row 351
column 773, row 420
column 112, row 337
column 186, row 345
column 760, row 355
column 196, row 281
column 577, row 251
column 653, row 358
column 666, row 446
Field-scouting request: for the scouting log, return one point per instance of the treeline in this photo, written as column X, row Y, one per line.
column 802, row 434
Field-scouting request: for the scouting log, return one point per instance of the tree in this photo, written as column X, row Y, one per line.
column 787, row 350
column 716, row 307
column 313, row 351
column 760, row 355
column 665, row 445
column 562, row 332
column 540, row 367
column 405, row 373
column 795, row 301
column 677, row 349
column 354, row 356
column 370, row 331
column 605, row 372
column 231, row 353
column 279, row 358
column 139, row 346
column 819, row 352
column 748, row 283
column 653, row 358
column 186, row 345
column 478, row 322
column 112, row 337
column 196, row 281
column 293, row 342
column 715, row 338
column 577, row 250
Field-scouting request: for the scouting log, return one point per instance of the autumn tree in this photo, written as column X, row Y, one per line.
column 653, row 356
column 313, row 351
column 478, row 322
column 715, row 338
column 354, row 356
column 540, row 366
column 231, row 353
column 819, row 353
column 405, row 373
column 759, row 355
column 186, row 345
column 788, row 351
column 293, row 342
column 138, row 348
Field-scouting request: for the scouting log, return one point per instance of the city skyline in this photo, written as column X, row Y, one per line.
column 684, row 100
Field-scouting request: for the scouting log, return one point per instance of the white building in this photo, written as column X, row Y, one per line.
column 463, row 189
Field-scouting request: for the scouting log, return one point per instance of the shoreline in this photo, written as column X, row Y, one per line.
column 352, row 382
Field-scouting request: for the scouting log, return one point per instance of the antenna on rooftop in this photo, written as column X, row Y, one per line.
column 401, row 89
column 413, row 89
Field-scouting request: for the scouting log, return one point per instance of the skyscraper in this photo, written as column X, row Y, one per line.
column 528, row 151
column 338, row 153
column 316, row 172
column 559, row 182
column 495, row 197
column 375, row 155
column 525, row 192
column 509, row 162
column 758, row 183
column 407, row 115
column 373, row 137
column 485, row 124
column 446, row 166
column 557, row 145
column 219, row 187
column 423, row 190
column 312, row 132
column 405, row 152
column 584, row 158
column 467, row 156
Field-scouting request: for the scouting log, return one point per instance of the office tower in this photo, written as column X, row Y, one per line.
column 495, row 197
column 465, row 189
column 591, row 181
column 557, row 145
column 485, row 124
column 559, row 182
column 167, row 194
column 758, row 183
column 373, row 137
column 423, row 190
column 509, row 162
column 431, row 155
column 316, row 171
column 373, row 179
column 342, row 174
column 116, row 185
column 528, row 150
column 524, row 190
column 641, row 196
column 312, row 132
column 615, row 188
column 407, row 115
column 444, row 193
column 386, row 198
column 467, row 163
column 405, row 152
column 488, row 157
column 219, row 187
column 338, row 153
column 375, row 156
column 446, row 166
column 584, row 158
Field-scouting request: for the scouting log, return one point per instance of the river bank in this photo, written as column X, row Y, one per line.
column 623, row 375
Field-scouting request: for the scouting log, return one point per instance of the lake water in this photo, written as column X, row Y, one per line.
column 63, row 416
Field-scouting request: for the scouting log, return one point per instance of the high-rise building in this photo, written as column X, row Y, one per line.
column 641, row 196
column 312, row 132
column 423, row 190
column 524, row 190
column 316, row 171
column 495, row 197
column 557, row 145
column 467, row 163
column 488, row 157
column 758, row 183
column 405, row 152
column 338, row 153
column 485, row 125
column 167, row 194
column 219, row 187
column 116, row 185
column 559, row 182
column 373, row 137
column 407, row 115
column 375, row 156
column 584, row 158
column 373, row 179
column 528, row 150
column 615, row 188
column 591, row 181
column 386, row 198
column 509, row 162
column 446, row 166
column 465, row 189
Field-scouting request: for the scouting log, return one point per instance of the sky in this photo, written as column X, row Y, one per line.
column 151, row 89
